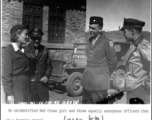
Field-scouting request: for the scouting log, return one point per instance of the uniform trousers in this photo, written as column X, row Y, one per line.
column 41, row 93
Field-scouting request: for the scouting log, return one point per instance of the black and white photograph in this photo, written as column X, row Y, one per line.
column 81, row 54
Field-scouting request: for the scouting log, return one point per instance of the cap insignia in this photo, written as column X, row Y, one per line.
column 111, row 43
column 36, row 29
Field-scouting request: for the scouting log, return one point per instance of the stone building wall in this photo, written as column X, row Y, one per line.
column 45, row 24
column 12, row 13
column 75, row 26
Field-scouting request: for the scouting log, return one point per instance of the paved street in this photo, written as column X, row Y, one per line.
column 58, row 93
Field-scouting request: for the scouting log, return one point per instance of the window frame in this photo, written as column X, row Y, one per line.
column 56, row 17
column 33, row 15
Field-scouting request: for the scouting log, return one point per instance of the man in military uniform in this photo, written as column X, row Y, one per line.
column 101, row 62
column 138, row 64
column 40, row 66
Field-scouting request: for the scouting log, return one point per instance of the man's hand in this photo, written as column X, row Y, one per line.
column 44, row 79
column 10, row 99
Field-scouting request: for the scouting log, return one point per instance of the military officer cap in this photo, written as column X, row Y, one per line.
column 96, row 20
column 36, row 32
column 130, row 22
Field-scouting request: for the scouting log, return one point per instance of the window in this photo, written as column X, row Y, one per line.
column 32, row 15
column 56, row 29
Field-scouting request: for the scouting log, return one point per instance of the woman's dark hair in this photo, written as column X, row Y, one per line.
column 14, row 36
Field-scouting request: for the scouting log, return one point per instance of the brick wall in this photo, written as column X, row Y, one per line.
column 11, row 14
column 45, row 24
column 75, row 26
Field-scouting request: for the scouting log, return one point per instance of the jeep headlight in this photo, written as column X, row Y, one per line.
column 117, row 48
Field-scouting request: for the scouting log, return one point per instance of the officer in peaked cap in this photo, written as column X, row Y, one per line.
column 138, row 65
column 40, row 66
column 36, row 36
column 96, row 20
column 132, row 23
column 36, row 32
column 101, row 62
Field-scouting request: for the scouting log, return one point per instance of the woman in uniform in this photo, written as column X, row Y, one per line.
column 16, row 75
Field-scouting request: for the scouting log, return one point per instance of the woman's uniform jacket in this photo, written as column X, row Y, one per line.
column 16, row 74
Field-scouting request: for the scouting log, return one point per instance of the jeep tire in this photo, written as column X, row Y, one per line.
column 73, row 85
column 119, row 79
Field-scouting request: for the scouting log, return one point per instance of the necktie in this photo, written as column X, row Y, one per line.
column 94, row 41
column 36, row 52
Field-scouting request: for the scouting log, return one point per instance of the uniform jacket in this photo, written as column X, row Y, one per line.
column 41, row 64
column 101, row 62
column 138, row 66
column 15, row 66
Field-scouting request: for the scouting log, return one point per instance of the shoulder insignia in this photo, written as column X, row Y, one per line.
column 111, row 43
column 144, row 46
